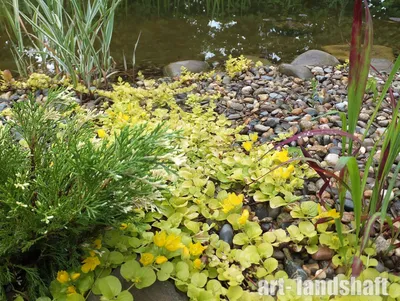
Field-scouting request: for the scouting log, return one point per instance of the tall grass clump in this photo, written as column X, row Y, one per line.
column 71, row 37
column 372, row 213
column 60, row 186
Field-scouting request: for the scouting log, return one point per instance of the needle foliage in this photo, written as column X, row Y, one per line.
column 59, row 184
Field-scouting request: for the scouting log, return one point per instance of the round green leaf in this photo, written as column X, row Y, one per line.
column 109, row 286
column 240, row 239
column 125, row 296
column 75, row 297
column 165, row 271
column 199, row 279
column 394, row 290
column 116, row 257
column 214, row 286
column 43, row 299
column 129, row 268
column 146, row 277
column 182, row 270
column 307, row 228
column 234, row 293
column 265, row 250
column 271, row 264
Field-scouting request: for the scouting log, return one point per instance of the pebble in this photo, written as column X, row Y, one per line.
column 271, row 122
column 247, row 90
column 226, row 234
column 332, row 159
column 323, row 253
column 236, row 106
column 234, row 116
column 320, row 274
column 261, row 128
column 342, row 106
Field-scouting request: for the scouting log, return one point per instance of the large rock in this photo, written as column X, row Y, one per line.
column 174, row 69
column 382, row 65
column 342, row 52
column 159, row 291
column 296, row 71
column 315, row 58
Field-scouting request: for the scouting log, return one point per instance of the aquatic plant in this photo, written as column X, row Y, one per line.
column 44, row 34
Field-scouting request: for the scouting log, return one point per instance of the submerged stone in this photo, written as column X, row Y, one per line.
column 174, row 69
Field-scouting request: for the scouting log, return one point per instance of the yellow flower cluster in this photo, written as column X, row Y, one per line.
column 90, row 263
column 64, row 277
column 146, row 259
column 248, row 145
column 330, row 215
column 196, row 249
column 231, row 202
column 171, row 242
column 244, row 217
column 282, row 156
column 284, row 172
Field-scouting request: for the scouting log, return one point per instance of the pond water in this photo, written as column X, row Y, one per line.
column 173, row 30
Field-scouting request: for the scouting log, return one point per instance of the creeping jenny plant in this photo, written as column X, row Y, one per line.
column 220, row 176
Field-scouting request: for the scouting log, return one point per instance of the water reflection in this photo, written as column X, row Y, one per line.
column 264, row 29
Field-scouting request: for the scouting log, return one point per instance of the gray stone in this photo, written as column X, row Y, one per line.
column 174, row 69
column 236, row 106
column 233, row 116
column 332, row 159
column 311, row 111
column 226, row 80
column 247, row 90
column 261, row 128
column 3, row 106
column 160, row 290
column 278, row 254
column 226, row 234
column 296, row 71
column 315, row 58
column 341, row 106
column 394, row 19
column 382, row 65
column 271, row 122
column 348, row 205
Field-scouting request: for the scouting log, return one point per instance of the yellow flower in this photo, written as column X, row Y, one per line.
column 101, row 133
column 196, row 249
column 92, row 253
column 282, row 156
column 97, row 244
column 160, row 239
column 123, row 226
column 253, row 137
column 231, row 202
column 62, row 277
column 173, row 243
column 71, row 289
column 146, row 259
column 244, row 217
column 75, row 276
column 197, row 263
column 185, row 251
column 248, row 145
column 161, row 259
column 284, row 172
column 333, row 214
column 90, row 264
